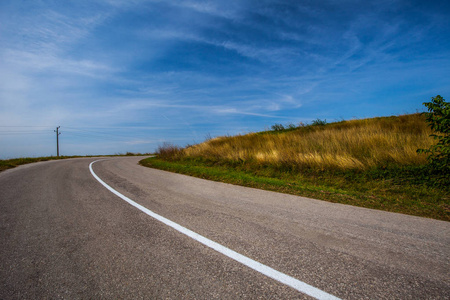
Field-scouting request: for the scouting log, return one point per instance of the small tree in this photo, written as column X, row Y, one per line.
column 290, row 126
column 319, row 122
column 438, row 117
column 277, row 127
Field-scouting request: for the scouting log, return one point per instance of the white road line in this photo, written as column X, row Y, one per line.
column 257, row 266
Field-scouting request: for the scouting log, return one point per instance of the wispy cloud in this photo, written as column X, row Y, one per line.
column 214, row 8
column 35, row 62
column 233, row 110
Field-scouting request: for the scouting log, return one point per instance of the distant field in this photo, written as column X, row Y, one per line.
column 15, row 162
column 371, row 163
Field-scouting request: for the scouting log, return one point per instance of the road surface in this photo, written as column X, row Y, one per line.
column 64, row 235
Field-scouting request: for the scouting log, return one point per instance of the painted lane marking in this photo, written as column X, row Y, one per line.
column 257, row 266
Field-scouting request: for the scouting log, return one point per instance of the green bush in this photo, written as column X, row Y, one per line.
column 438, row 117
column 319, row 122
column 291, row 126
column 277, row 127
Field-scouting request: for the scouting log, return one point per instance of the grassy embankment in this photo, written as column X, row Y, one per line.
column 371, row 163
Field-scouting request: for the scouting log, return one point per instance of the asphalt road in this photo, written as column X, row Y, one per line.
column 64, row 235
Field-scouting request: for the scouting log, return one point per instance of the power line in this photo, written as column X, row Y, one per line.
column 22, row 132
column 24, row 126
column 97, row 137
column 109, row 133
column 103, row 134
column 97, row 132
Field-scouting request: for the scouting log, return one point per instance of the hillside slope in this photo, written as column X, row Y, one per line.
column 356, row 144
column 371, row 163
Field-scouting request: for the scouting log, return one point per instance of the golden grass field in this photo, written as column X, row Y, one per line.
column 355, row 144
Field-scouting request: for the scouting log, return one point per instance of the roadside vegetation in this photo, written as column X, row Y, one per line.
column 372, row 163
column 15, row 162
column 438, row 118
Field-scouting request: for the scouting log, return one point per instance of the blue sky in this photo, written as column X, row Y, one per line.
column 122, row 76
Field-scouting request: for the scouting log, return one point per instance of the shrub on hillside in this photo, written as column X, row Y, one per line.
column 169, row 151
column 277, row 127
column 291, row 126
column 438, row 117
column 319, row 122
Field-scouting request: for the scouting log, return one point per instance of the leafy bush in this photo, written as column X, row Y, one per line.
column 438, row 117
column 290, row 126
column 319, row 122
column 277, row 127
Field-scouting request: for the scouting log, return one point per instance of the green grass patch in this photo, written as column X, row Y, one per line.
column 394, row 189
column 12, row 163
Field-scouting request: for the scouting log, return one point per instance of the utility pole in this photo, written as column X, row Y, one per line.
column 57, row 140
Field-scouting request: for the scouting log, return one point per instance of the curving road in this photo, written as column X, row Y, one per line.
column 64, row 235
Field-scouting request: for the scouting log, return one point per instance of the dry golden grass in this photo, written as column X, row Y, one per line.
column 371, row 163
column 355, row 144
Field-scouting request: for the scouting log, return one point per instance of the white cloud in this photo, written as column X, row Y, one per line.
column 30, row 63
column 236, row 111
column 230, row 10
